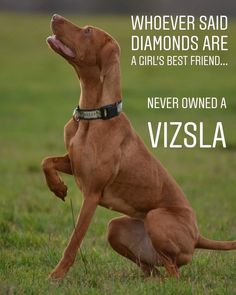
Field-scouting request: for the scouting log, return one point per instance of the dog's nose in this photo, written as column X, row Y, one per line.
column 56, row 17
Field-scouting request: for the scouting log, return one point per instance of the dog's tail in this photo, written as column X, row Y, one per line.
column 204, row 243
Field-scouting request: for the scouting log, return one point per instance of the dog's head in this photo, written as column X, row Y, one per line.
column 83, row 47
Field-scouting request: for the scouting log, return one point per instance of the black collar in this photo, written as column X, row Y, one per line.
column 104, row 113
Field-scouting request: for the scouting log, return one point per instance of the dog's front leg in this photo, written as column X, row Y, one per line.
column 51, row 166
column 86, row 213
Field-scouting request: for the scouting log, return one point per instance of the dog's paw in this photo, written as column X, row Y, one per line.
column 60, row 190
column 57, row 274
column 61, row 269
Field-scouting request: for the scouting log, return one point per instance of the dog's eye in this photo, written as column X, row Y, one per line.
column 88, row 31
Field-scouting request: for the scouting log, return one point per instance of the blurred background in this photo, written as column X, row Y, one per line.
column 123, row 6
column 39, row 90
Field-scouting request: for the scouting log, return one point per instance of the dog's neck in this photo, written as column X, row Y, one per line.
column 97, row 90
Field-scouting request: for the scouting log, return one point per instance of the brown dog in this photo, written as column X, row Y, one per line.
column 113, row 168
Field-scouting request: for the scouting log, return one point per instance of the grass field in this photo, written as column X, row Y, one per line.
column 38, row 91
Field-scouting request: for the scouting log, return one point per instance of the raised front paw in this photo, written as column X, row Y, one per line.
column 59, row 189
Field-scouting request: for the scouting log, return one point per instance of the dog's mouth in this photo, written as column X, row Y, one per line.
column 58, row 46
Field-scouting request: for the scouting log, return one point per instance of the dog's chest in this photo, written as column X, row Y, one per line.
column 70, row 130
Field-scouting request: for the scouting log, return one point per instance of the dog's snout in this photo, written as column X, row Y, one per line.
column 56, row 17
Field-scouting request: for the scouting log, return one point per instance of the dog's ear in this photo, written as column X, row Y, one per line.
column 110, row 55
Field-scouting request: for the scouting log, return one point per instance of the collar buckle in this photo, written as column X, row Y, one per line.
column 109, row 111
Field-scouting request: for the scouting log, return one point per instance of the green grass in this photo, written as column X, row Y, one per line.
column 38, row 91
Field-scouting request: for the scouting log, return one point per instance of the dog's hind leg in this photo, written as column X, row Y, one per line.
column 51, row 166
column 173, row 234
column 128, row 237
